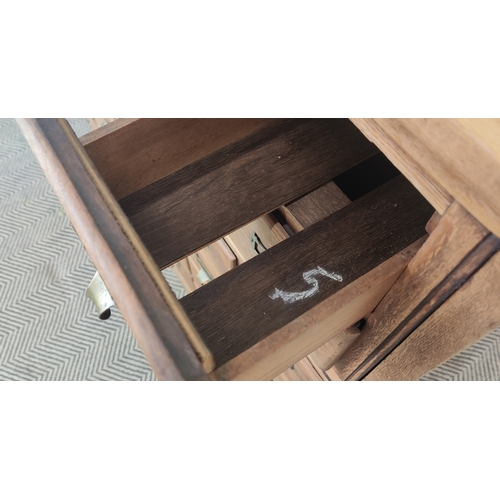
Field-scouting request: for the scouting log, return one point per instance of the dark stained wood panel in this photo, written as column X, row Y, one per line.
column 131, row 154
column 209, row 198
column 236, row 311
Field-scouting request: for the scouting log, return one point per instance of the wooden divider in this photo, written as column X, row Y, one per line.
column 209, row 198
column 247, row 304
column 133, row 153
column 467, row 316
column 163, row 331
column 455, row 236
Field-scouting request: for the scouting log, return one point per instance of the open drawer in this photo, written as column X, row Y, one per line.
column 144, row 194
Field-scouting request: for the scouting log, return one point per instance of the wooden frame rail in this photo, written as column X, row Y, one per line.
column 160, row 325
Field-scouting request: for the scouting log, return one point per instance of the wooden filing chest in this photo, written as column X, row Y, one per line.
column 298, row 230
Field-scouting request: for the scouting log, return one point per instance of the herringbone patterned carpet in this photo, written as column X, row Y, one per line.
column 49, row 329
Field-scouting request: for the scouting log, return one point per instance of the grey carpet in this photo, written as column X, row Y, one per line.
column 49, row 329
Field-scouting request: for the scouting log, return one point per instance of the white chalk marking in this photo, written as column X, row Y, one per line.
column 290, row 297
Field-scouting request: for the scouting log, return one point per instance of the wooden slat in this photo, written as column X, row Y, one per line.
column 133, row 153
column 409, row 155
column 466, row 154
column 136, row 284
column 314, row 206
column 200, row 276
column 438, row 296
column 183, row 272
column 457, row 234
column 217, row 258
column 333, row 375
column 350, row 242
column 466, row 317
column 433, row 222
column 271, row 356
column 457, row 158
column 303, row 213
column 299, row 214
column 267, row 228
column 326, row 355
column 302, row 371
column 96, row 123
column 212, row 197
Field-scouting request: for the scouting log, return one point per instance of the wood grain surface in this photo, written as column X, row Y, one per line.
column 314, row 206
column 328, row 354
column 185, row 275
column 302, row 371
column 268, row 230
column 466, row 162
column 431, row 303
column 218, row 258
column 463, row 319
column 447, row 159
column 117, row 254
column 212, row 197
column 409, row 155
column 288, row 345
column 133, row 153
column 303, row 213
column 299, row 214
column 433, row 222
column 456, row 234
column 350, row 242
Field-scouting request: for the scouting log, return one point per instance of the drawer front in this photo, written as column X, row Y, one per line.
column 161, row 327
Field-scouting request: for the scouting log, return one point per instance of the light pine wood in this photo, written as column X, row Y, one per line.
column 201, row 275
column 135, row 283
column 314, row 206
column 99, row 132
column 277, row 352
column 467, row 162
column 456, row 234
column 183, row 272
column 333, row 375
column 459, row 158
column 409, row 155
column 269, row 231
column 433, row 222
column 217, row 258
column 303, row 371
column 317, row 369
column 325, row 356
column 292, row 375
column 133, row 153
column 469, row 314
column 96, row 123
column 226, row 253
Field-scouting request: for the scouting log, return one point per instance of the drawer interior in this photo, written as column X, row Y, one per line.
column 342, row 210
column 245, row 305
